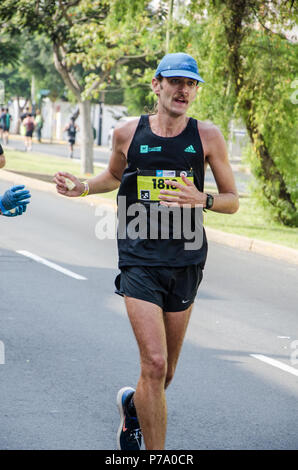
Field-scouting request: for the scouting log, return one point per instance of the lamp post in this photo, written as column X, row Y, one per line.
column 169, row 24
column 101, row 102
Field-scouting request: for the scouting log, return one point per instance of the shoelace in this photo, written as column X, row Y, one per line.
column 136, row 434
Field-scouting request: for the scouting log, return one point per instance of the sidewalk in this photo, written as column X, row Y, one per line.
column 240, row 242
column 53, row 141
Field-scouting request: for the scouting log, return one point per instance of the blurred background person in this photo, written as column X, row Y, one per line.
column 29, row 124
column 39, row 124
column 71, row 128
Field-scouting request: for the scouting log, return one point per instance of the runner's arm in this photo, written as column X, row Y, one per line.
column 226, row 201
column 104, row 182
column 110, row 179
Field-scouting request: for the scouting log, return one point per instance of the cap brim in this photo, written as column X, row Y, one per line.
column 182, row 73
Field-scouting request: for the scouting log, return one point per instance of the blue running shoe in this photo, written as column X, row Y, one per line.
column 129, row 435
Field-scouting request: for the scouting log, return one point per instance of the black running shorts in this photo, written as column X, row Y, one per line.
column 172, row 289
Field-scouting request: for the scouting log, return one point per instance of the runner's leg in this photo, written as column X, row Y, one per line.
column 147, row 322
column 175, row 325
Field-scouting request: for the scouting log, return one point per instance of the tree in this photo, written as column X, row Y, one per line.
column 36, row 60
column 91, row 42
column 32, row 59
column 248, row 59
column 53, row 19
column 9, row 51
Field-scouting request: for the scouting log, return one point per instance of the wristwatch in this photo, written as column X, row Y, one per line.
column 209, row 201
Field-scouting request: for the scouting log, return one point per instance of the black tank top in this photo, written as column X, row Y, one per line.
column 150, row 154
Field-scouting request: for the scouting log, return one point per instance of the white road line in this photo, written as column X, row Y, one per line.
column 51, row 265
column 275, row 363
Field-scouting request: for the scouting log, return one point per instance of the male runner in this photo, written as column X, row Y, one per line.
column 159, row 277
column 6, row 119
column 29, row 124
column 71, row 128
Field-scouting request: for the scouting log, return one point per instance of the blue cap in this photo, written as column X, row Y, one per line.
column 178, row 65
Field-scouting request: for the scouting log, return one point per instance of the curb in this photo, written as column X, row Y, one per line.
column 279, row 252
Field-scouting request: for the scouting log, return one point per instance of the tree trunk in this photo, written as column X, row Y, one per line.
column 86, row 137
column 84, row 106
column 169, row 25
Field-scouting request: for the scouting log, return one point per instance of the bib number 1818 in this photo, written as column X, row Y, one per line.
column 160, row 184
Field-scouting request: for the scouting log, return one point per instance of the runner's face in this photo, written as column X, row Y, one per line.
column 175, row 94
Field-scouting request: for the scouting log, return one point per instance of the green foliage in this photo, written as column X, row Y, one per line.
column 15, row 83
column 270, row 67
column 114, row 96
column 249, row 65
column 117, row 48
column 93, row 39
column 9, row 51
column 204, row 41
column 139, row 100
column 35, row 58
column 244, row 57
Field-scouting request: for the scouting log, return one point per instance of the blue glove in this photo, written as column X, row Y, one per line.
column 19, row 211
column 13, row 198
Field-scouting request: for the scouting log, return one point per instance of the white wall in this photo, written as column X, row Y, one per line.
column 57, row 114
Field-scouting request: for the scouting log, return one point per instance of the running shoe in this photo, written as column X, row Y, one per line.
column 129, row 435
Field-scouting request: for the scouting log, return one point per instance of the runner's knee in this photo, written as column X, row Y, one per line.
column 155, row 367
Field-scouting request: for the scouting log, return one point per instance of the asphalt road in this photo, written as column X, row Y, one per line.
column 102, row 155
column 68, row 346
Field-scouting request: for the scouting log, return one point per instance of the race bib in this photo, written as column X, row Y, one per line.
column 150, row 182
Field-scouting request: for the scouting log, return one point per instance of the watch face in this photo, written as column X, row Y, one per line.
column 209, row 202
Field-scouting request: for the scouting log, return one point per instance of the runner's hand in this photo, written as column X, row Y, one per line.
column 14, row 197
column 188, row 194
column 19, row 210
column 62, row 187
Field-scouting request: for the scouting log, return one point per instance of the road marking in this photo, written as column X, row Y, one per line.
column 275, row 363
column 51, row 265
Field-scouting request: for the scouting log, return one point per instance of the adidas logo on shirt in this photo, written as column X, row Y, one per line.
column 190, row 149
